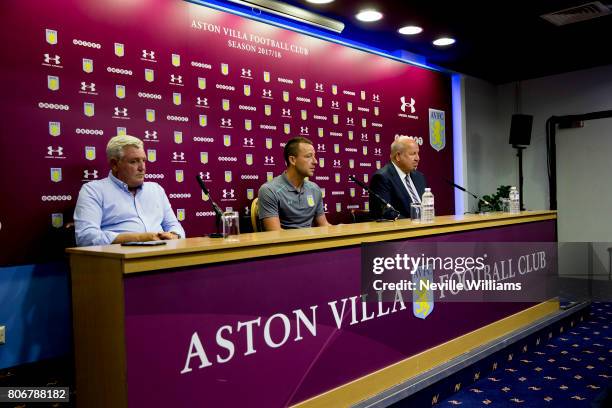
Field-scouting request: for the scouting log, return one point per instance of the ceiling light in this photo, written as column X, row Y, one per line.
column 369, row 15
column 319, row 1
column 410, row 30
column 441, row 42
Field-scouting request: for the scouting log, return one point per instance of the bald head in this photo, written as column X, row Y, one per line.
column 405, row 153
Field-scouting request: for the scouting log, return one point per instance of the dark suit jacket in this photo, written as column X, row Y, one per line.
column 389, row 186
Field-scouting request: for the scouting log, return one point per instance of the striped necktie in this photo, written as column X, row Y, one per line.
column 414, row 197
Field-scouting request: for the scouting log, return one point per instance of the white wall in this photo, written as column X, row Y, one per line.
column 491, row 161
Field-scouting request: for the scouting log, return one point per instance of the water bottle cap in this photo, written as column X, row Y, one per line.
column 427, row 189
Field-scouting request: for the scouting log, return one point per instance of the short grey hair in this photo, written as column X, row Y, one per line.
column 399, row 145
column 114, row 148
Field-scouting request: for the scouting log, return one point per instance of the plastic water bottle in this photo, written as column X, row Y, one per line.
column 428, row 211
column 514, row 201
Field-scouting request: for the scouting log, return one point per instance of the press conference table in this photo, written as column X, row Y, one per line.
column 271, row 319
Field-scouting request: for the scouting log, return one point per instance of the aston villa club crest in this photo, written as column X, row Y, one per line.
column 56, row 174
column 55, row 128
column 310, row 200
column 180, row 214
column 120, row 91
column 304, row 114
column 227, row 140
column 266, row 76
column 176, row 98
column 422, row 298
column 363, row 95
column 119, row 49
column 335, row 89
column 286, row 96
column 365, row 150
column 179, row 176
column 338, row 207
column 121, row 131
column 203, row 120
column 319, row 102
column 302, row 83
column 337, row 177
column 88, row 65
column 201, row 83
column 437, row 134
column 269, row 176
column 335, row 119
column 321, row 162
column 178, row 137
column 322, row 192
column 366, row 178
column 150, row 115
column 249, row 159
column 228, row 176
column 205, row 197
column 349, row 106
column 247, row 90
column 287, row 128
column 151, row 155
column 57, row 220
column 149, row 75
column 225, row 104
column 225, row 69
column 204, row 157
column 352, row 192
column 51, row 36
column 176, row 60
column 350, row 134
column 351, row 163
column 88, row 109
column 90, row 152
column 268, row 143
column 53, row 82
column 364, row 122
column 320, row 132
column 267, row 110
column 250, row 193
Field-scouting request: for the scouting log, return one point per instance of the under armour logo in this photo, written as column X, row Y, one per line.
column 55, row 59
column 304, row 129
column 407, row 104
column 151, row 134
column 228, row 193
column 178, row 79
column 364, row 137
column 376, row 98
column 178, row 156
column 267, row 93
column 377, row 151
column 325, row 207
column 269, row 159
column 335, row 105
column 320, row 148
column 318, row 87
column 246, row 72
column 247, row 211
column 148, row 54
column 205, row 176
column 121, row 111
column 226, row 122
column 337, row 163
column 286, row 112
column 202, row 101
column 90, row 174
column 91, row 87
column 350, row 121
column 58, row 152
column 248, row 141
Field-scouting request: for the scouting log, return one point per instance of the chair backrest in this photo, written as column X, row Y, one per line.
column 255, row 215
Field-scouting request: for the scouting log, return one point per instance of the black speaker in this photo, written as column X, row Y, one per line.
column 520, row 130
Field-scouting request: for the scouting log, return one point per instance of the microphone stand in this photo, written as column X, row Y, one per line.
column 216, row 208
column 457, row 186
column 379, row 198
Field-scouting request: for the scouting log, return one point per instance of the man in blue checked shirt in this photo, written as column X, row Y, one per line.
column 122, row 207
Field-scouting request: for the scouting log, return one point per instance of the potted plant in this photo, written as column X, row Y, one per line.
column 494, row 199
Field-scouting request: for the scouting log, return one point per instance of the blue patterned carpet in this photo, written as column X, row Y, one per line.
column 570, row 366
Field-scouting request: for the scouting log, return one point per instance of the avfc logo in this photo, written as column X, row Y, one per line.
column 246, row 89
column 180, row 214
column 250, row 194
column 228, row 176
column 269, row 176
column 119, row 49
column 178, row 137
column 351, row 163
column 322, row 192
column 335, row 89
column 286, row 96
column 377, row 137
column 201, row 83
column 176, row 60
column 352, row 192
column 304, row 114
column 87, row 65
column 268, row 143
column 57, row 220
column 422, row 298
column 350, row 135
column 51, row 36
column 53, row 82
column 90, row 152
column 336, row 148
column 203, row 120
column 227, row 140
column 122, row 131
column 120, row 91
column 319, row 102
column 320, row 132
column 204, row 157
column 54, row 128
column 225, row 69
column 287, row 128
column 349, row 106
column 249, row 159
column 363, row 95
column 176, row 98
column 366, row 178
column 225, row 104
column 378, row 164
column 337, row 177
column 302, row 83
column 437, row 135
column 365, row 150
column 150, row 115
column 364, row 122
column 179, row 176
column 56, row 174
column 267, row 110
column 151, row 155
column 266, row 76
column 338, row 207
column 248, row 124
column 376, row 110
column 321, row 162
column 149, row 75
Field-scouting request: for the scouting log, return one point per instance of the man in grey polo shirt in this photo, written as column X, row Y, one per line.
column 289, row 201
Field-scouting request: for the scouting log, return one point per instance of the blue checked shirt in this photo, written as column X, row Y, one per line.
column 106, row 208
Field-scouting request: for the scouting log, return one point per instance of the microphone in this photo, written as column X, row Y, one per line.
column 216, row 208
column 466, row 191
column 365, row 187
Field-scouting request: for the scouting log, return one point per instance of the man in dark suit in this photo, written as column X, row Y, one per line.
column 398, row 183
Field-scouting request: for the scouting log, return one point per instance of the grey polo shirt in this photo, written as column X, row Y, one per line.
column 295, row 209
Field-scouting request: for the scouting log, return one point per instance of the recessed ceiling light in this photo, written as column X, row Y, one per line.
column 410, row 30
column 369, row 15
column 319, row 1
column 441, row 42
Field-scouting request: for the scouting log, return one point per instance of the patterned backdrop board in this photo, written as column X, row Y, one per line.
column 209, row 93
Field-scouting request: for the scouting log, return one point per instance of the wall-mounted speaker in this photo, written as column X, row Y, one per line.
column 520, row 130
